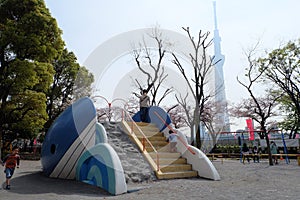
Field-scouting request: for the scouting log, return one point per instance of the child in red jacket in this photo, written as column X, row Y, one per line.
column 11, row 161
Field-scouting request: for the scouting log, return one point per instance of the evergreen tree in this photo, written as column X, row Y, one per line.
column 29, row 41
column 70, row 82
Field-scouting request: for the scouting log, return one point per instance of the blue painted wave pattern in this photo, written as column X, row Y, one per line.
column 100, row 166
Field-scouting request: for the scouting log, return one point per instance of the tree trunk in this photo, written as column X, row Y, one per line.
column 268, row 147
column 197, row 126
column 192, row 135
column 198, row 136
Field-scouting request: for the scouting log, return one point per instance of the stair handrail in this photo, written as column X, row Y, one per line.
column 125, row 113
column 180, row 139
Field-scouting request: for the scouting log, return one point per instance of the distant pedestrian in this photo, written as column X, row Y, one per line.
column 274, row 151
column 245, row 151
column 11, row 161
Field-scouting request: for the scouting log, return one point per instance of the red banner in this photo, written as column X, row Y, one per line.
column 250, row 128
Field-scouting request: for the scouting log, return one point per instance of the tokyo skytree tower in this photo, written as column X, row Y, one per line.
column 222, row 118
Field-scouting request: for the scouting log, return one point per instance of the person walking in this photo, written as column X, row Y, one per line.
column 11, row 161
column 274, row 151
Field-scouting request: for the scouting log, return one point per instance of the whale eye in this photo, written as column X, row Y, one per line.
column 52, row 148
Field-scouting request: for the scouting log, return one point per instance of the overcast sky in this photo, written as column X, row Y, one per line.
column 241, row 23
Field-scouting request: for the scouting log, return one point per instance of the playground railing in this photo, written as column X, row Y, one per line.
column 261, row 155
column 180, row 139
column 134, row 127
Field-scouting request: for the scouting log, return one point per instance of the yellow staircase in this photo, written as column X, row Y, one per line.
column 170, row 165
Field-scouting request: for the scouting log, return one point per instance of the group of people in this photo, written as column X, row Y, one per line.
column 255, row 152
column 249, row 152
column 10, row 162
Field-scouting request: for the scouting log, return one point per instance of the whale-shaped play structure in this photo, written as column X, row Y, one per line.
column 76, row 147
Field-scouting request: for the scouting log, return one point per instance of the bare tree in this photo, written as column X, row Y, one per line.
column 183, row 102
column 151, row 67
column 132, row 106
column 178, row 116
column 257, row 107
column 210, row 118
column 202, row 65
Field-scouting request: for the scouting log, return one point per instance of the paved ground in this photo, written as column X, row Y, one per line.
column 249, row 181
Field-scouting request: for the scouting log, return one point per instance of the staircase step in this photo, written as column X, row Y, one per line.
column 149, row 134
column 145, row 127
column 168, row 161
column 157, row 143
column 160, row 148
column 157, row 138
column 149, row 130
column 144, row 124
column 175, row 168
column 153, row 134
column 168, row 155
column 181, row 174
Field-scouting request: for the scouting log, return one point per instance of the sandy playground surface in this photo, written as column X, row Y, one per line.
column 238, row 181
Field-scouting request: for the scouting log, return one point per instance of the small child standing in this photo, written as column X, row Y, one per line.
column 173, row 141
column 11, row 161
